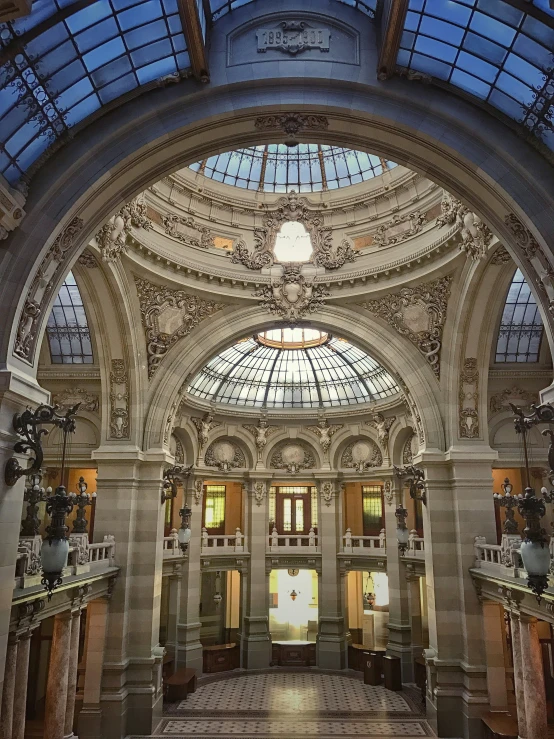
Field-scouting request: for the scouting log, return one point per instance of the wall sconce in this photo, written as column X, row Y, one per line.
column 293, row 595
column 171, row 477
column 415, row 478
column 402, row 531
column 27, row 426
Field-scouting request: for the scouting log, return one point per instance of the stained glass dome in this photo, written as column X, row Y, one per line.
column 293, row 368
column 304, row 168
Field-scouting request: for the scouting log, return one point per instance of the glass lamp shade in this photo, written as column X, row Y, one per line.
column 184, row 536
column 403, row 535
column 536, row 558
column 53, row 556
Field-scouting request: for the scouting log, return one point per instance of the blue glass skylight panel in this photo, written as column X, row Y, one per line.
column 66, row 71
column 489, row 49
column 67, row 328
column 521, row 327
column 304, row 168
column 220, row 8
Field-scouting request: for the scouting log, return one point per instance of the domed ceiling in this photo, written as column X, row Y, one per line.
column 292, row 368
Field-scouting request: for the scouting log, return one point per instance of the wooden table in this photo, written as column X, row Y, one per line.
column 293, row 653
column 221, row 657
column 499, row 726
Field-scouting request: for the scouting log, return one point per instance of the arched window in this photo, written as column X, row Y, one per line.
column 67, row 328
column 521, row 328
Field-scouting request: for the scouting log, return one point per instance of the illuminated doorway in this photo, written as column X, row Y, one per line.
column 293, row 605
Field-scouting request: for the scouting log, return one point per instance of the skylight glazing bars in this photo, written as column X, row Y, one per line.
column 253, row 374
column 521, row 327
column 67, row 329
column 59, row 77
column 304, row 168
column 491, row 50
column 222, row 7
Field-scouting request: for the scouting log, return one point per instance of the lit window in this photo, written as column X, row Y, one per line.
column 372, row 509
column 67, row 328
column 293, row 243
column 521, row 327
column 214, row 511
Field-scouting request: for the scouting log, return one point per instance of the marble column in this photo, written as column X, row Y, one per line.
column 17, row 392
column 400, row 637
column 21, row 678
column 189, row 648
column 255, row 638
column 416, row 620
column 58, row 674
column 331, row 636
column 459, row 507
column 89, row 723
column 533, row 679
column 72, row 676
column 519, row 687
column 493, row 626
column 8, row 693
column 173, row 583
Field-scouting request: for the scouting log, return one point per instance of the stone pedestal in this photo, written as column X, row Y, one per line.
column 255, row 639
column 58, row 674
column 533, row 680
column 331, row 637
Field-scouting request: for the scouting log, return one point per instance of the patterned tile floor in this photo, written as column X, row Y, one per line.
column 292, row 704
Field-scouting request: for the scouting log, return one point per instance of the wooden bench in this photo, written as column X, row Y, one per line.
column 499, row 726
column 180, row 684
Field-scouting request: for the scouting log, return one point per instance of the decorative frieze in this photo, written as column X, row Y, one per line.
column 296, row 209
column 225, row 455
column 291, row 123
column 167, row 316
column 474, row 234
column 180, row 228
column 292, row 296
column 71, row 396
column 419, row 314
column 119, row 400
column 469, row 400
column 399, row 228
column 293, row 37
column 514, row 395
column 523, row 237
column 44, row 282
column 361, row 455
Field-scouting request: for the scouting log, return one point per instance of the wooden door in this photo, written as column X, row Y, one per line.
column 293, row 511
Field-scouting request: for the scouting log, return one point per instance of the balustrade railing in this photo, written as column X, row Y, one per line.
column 503, row 558
column 416, row 546
column 171, row 545
column 221, row 543
column 280, row 542
column 353, row 544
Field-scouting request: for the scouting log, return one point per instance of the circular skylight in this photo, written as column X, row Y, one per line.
column 304, row 168
column 292, row 368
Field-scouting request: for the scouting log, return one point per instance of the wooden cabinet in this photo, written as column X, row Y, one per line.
column 293, row 654
column 221, row 657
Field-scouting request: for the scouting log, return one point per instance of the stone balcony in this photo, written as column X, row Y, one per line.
column 297, row 543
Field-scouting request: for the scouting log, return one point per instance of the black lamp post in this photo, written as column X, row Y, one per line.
column 184, row 532
column 82, row 500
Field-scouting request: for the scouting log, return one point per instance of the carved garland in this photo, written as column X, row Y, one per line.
column 293, row 208
column 171, row 223
column 40, row 291
column 119, row 400
column 469, row 400
column 430, row 302
column 155, row 302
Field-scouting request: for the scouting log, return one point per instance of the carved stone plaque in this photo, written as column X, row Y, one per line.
column 293, row 37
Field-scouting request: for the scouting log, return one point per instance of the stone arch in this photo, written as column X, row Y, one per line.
column 363, row 330
column 458, row 146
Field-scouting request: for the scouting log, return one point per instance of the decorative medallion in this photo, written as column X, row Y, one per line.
column 419, row 314
column 167, row 316
column 523, row 237
column 292, row 457
column 361, row 455
column 296, row 209
column 224, row 455
column 292, row 296
column 327, row 491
